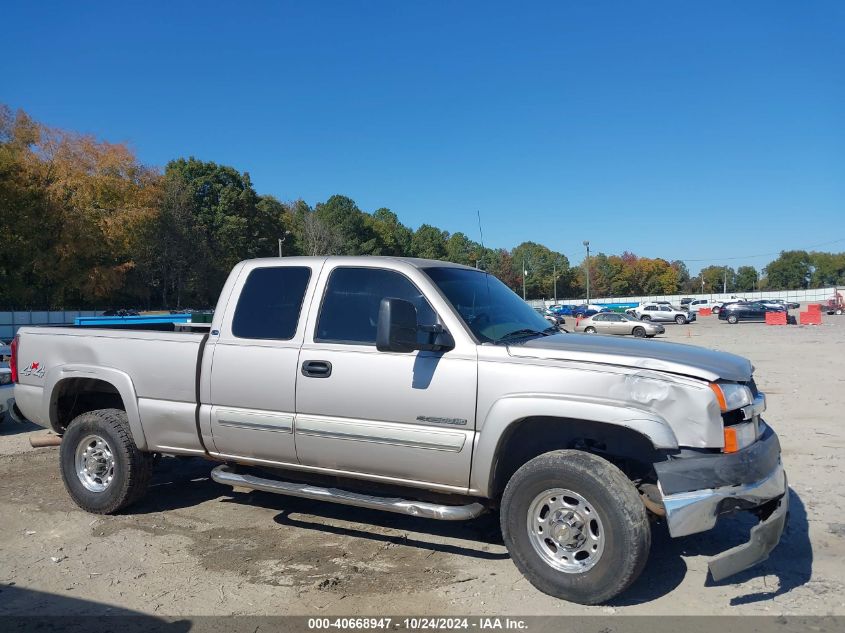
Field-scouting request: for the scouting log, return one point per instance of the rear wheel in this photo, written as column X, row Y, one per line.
column 639, row 331
column 575, row 526
column 680, row 319
column 732, row 319
column 102, row 468
column 590, row 330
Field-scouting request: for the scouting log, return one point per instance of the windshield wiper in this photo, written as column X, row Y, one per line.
column 527, row 332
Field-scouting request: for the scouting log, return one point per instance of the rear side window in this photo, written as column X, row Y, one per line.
column 353, row 295
column 270, row 303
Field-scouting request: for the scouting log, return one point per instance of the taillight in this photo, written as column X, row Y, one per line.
column 13, row 362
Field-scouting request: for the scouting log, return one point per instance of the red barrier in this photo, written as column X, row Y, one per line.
column 814, row 307
column 705, row 312
column 810, row 318
column 775, row 318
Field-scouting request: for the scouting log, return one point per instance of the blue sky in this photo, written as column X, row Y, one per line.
column 690, row 130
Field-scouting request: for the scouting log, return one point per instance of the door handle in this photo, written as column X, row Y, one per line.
column 317, row 368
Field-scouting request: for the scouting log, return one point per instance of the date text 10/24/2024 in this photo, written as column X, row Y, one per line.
column 418, row 623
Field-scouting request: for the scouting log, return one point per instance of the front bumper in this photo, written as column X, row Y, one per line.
column 736, row 484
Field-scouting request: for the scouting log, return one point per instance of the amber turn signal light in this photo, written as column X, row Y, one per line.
column 731, row 441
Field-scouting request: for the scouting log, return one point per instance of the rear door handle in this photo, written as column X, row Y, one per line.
column 317, row 368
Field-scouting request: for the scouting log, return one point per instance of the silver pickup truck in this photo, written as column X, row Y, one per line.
column 424, row 388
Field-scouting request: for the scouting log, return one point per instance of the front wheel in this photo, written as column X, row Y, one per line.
column 102, row 468
column 575, row 526
column 732, row 319
column 680, row 320
column 590, row 330
column 639, row 331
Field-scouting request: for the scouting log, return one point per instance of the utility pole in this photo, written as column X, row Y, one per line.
column 725, row 284
column 554, row 274
column 587, row 244
column 524, row 275
column 282, row 241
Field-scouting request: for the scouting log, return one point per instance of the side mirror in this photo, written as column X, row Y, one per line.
column 398, row 327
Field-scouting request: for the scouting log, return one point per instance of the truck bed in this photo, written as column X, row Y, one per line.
column 159, row 365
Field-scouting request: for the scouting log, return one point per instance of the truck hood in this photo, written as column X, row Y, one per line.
column 676, row 358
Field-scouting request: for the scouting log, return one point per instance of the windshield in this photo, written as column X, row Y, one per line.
column 490, row 309
column 628, row 317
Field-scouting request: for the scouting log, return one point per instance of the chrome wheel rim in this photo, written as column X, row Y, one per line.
column 565, row 530
column 94, row 463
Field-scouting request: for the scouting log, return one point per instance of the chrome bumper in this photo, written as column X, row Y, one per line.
column 698, row 511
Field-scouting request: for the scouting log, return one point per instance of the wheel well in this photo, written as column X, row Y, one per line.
column 632, row 452
column 74, row 396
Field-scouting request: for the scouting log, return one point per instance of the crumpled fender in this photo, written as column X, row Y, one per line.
column 512, row 409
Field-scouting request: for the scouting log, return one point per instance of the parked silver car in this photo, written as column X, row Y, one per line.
column 613, row 323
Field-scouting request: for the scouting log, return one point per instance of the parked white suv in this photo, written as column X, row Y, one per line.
column 662, row 313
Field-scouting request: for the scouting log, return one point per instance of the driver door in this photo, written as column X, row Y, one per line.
column 407, row 418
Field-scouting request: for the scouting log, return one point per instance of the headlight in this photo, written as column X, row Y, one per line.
column 5, row 379
column 731, row 396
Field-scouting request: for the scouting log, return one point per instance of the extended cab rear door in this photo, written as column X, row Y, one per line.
column 254, row 364
column 407, row 418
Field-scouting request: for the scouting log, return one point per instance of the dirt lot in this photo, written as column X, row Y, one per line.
column 194, row 547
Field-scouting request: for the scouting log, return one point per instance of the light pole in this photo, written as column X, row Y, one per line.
column 587, row 245
column 524, row 275
column 282, row 241
column 554, row 274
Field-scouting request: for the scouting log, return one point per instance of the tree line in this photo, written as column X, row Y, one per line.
column 85, row 224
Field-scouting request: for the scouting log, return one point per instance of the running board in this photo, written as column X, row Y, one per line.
column 226, row 475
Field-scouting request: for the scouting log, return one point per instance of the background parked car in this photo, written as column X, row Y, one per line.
column 696, row 304
column 551, row 317
column 746, row 311
column 579, row 312
column 788, row 305
column 663, row 313
column 614, row 323
column 686, row 301
column 562, row 310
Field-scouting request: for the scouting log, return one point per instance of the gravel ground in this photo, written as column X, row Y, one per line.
column 194, row 547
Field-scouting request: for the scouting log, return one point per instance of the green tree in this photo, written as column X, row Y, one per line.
column 790, row 271
column 714, row 278
column 228, row 219
column 461, row 250
column 390, row 236
column 357, row 235
column 541, row 263
column 746, row 279
column 429, row 242
column 828, row 269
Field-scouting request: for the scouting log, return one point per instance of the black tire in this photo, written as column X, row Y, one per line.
column 680, row 319
column 638, row 331
column 590, row 330
column 131, row 470
column 615, row 501
column 645, row 317
column 732, row 319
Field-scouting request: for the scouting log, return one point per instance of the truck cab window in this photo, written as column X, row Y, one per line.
column 270, row 303
column 349, row 313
